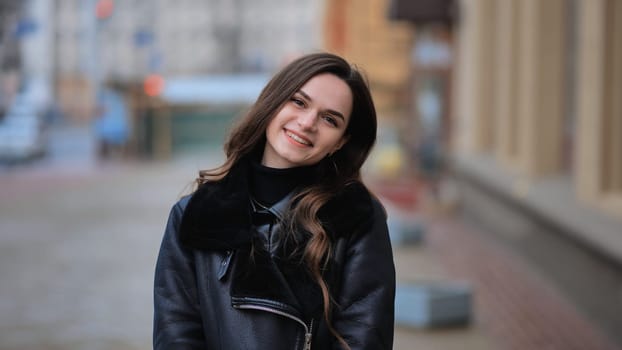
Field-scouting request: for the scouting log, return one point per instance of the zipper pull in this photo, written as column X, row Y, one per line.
column 308, row 337
column 307, row 341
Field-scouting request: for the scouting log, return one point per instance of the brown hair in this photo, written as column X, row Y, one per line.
column 341, row 168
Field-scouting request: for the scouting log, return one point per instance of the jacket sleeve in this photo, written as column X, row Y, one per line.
column 177, row 322
column 364, row 316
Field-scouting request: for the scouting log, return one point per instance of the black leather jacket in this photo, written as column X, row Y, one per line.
column 221, row 283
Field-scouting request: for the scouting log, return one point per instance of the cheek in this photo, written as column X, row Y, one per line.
column 278, row 120
column 334, row 142
column 273, row 126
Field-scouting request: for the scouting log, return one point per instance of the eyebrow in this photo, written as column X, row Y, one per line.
column 333, row 112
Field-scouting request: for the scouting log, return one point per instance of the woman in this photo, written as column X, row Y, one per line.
column 283, row 247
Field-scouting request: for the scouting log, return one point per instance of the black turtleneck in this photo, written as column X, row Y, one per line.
column 269, row 185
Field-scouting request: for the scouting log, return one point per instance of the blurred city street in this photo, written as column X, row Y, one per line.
column 77, row 252
column 498, row 157
column 78, row 248
column 80, row 237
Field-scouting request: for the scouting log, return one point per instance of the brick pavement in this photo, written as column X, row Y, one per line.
column 417, row 263
column 518, row 307
column 513, row 305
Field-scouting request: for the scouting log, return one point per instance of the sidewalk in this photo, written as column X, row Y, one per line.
column 518, row 308
column 77, row 252
column 514, row 308
column 416, row 264
column 419, row 262
column 78, row 249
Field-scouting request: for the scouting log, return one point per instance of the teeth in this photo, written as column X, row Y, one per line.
column 297, row 139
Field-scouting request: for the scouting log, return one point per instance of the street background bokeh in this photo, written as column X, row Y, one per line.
column 499, row 155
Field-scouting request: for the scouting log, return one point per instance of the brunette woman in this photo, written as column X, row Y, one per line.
column 283, row 247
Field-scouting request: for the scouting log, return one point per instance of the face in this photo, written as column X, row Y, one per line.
column 310, row 125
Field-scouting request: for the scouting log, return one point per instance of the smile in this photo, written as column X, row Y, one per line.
column 298, row 138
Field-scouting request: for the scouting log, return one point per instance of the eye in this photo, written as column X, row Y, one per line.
column 330, row 119
column 298, row 102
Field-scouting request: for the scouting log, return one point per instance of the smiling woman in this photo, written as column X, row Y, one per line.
column 311, row 125
column 283, row 246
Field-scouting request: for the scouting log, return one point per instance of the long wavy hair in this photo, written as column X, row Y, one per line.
column 338, row 170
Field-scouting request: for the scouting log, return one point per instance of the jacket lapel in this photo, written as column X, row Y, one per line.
column 255, row 275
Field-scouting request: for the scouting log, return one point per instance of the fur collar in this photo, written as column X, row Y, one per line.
column 218, row 215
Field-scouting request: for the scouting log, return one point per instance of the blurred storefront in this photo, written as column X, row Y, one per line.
column 180, row 115
column 99, row 48
column 25, row 80
column 97, row 41
column 361, row 32
column 405, row 48
column 536, row 124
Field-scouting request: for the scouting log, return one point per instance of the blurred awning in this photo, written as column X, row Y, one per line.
column 214, row 89
column 422, row 11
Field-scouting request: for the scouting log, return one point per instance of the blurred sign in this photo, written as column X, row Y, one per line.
column 143, row 37
column 153, row 85
column 155, row 61
column 25, row 27
column 216, row 89
column 422, row 11
column 104, row 9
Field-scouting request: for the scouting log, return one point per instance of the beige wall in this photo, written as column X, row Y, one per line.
column 505, row 105
column 473, row 119
column 599, row 149
column 511, row 97
column 509, row 82
column 539, row 104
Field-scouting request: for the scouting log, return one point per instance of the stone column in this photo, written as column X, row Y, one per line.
column 540, row 86
column 598, row 165
column 506, row 81
column 474, row 77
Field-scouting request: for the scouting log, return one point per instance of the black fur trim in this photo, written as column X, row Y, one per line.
column 218, row 215
column 348, row 213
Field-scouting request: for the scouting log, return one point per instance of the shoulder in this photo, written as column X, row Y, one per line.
column 180, row 206
column 353, row 209
column 182, row 203
column 379, row 212
column 353, row 193
column 177, row 210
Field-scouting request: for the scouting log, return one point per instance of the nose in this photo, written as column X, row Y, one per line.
column 307, row 120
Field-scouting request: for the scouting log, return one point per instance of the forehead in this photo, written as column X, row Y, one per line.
column 329, row 91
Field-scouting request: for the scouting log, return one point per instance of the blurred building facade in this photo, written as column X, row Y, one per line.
column 9, row 52
column 536, row 139
column 405, row 47
column 183, row 38
column 23, row 41
column 362, row 32
column 25, row 79
column 99, row 40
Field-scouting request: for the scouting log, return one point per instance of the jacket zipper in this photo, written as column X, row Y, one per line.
column 308, row 329
column 308, row 336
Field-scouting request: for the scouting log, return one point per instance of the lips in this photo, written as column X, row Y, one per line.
column 298, row 138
